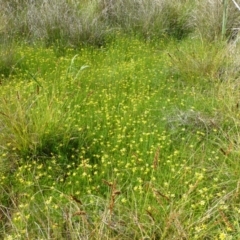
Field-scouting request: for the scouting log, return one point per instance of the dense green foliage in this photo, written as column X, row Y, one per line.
column 127, row 133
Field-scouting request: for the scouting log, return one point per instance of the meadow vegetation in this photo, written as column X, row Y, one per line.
column 119, row 119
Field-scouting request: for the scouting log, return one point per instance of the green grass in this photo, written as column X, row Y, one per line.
column 132, row 140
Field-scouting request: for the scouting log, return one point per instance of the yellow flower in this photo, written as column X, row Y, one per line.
column 222, row 236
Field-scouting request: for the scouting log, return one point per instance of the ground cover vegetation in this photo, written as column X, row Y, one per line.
column 119, row 119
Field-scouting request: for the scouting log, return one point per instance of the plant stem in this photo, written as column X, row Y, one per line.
column 225, row 16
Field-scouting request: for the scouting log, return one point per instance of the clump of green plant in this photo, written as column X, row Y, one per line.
column 33, row 119
column 200, row 60
column 10, row 61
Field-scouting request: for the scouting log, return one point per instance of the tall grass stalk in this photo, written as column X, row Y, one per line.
column 225, row 18
column 235, row 3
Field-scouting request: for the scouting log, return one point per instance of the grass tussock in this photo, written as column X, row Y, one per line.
column 148, row 18
column 215, row 19
column 204, row 61
column 75, row 23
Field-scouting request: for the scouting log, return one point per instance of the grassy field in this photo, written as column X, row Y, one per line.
column 126, row 129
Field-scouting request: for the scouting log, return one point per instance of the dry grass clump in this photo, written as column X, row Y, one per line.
column 192, row 120
column 53, row 21
column 73, row 22
column 214, row 19
column 233, row 49
column 148, row 18
column 64, row 21
column 3, row 22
